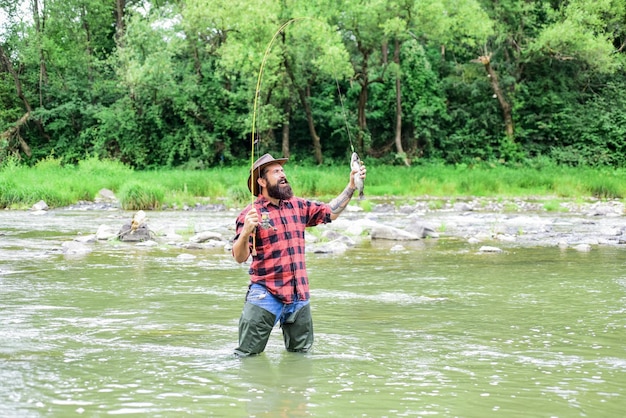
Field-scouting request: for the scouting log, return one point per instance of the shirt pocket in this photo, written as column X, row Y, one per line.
column 267, row 238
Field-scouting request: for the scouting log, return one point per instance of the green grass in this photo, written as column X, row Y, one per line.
column 62, row 185
column 136, row 195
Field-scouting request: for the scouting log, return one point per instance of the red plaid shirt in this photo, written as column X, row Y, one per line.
column 279, row 264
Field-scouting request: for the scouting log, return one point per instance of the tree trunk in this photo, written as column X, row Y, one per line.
column 362, row 105
column 285, row 130
column 43, row 73
column 398, row 137
column 88, row 49
column 119, row 20
column 20, row 93
column 14, row 133
column 364, row 81
column 304, row 95
column 317, row 145
column 16, row 79
column 495, row 85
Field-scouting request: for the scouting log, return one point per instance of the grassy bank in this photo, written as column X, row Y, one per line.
column 59, row 185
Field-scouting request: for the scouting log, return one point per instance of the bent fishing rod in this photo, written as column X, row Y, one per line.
column 255, row 141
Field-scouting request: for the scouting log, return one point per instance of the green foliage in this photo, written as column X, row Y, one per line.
column 583, row 30
column 426, row 114
column 137, row 195
column 66, row 184
column 106, row 168
column 10, row 194
column 364, row 204
column 598, row 129
column 177, row 88
column 553, row 205
column 239, row 195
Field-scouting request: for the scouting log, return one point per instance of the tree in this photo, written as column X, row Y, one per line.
column 12, row 135
column 60, row 60
column 313, row 52
column 304, row 50
column 534, row 31
column 16, row 109
column 360, row 24
column 187, row 82
column 589, row 32
column 445, row 23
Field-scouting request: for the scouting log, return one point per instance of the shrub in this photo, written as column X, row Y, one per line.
column 606, row 188
column 239, row 195
column 9, row 193
column 136, row 196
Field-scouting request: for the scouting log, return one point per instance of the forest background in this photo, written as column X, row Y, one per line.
column 162, row 84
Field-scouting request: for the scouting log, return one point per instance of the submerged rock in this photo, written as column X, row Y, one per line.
column 75, row 248
column 583, row 248
column 86, row 239
column 488, row 249
column 206, row 236
column 105, row 233
column 147, row 243
column 139, row 234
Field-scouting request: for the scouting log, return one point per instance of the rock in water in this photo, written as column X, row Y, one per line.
column 136, row 230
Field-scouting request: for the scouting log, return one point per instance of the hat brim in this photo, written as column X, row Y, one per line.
column 254, row 174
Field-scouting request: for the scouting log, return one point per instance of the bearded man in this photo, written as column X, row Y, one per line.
column 271, row 231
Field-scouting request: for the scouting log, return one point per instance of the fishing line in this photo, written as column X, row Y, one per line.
column 257, row 93
column 345, row 117
column 255, row 141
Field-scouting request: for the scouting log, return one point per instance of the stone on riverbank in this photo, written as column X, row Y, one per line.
column 334, row 247
column 40, row 206
column 511, row 223
column 105, row 196
column 206, row 236
column 393, row 234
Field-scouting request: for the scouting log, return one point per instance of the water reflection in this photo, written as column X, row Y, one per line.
column 282, row 387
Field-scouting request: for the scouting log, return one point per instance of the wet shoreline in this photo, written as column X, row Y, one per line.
column 477, row 221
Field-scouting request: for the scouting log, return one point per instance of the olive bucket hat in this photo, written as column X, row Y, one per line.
column 258, row 167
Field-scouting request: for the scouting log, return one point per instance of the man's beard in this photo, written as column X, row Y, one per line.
column 279, row 192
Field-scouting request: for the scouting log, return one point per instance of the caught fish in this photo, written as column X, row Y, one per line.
column 355, row 165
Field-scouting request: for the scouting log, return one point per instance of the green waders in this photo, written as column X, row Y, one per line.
column 298, row 330
column 255, row 326
column 256, row 323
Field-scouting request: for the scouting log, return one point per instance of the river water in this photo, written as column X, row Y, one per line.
column 436, row 329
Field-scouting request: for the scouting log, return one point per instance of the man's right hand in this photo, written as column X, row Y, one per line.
column 250, row 222
column 241, row 247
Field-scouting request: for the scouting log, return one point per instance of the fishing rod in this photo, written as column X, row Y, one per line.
column 255, row 141
column 257, row 92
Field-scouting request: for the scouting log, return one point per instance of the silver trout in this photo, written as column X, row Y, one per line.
column 355, row 165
